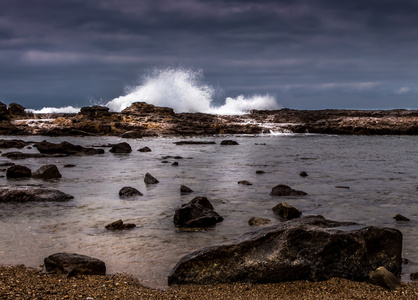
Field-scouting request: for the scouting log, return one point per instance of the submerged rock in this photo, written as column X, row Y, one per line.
column 284, row 190
column 72, row 264
column 119, row 225
column 32, row 194
column 244, row 182
column 121, row 148
column 47, row 172
column 18, row 171
column 229, row 142
column 149, row 179
column 254, row 221
column 197, row 213
column 128, row 192
column 144, row 149
column 286, row 211
column 301, row 249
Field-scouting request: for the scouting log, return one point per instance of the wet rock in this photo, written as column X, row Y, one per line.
column 384, row 278
column 229, row 142
column 119, row 225
column 342, row 187
column 94, row 111
column 144, row 149
column 5, row 144
column 32, row 194
column 254, row 221
column 303, row 174
column 47, row 172
column 71, row 264
column 259, row 172
column 132, row 135
column 69, row 166
column 185, row 189
column 20, row 155
column 284, row 190
column 244, row 182
column 175, row 164
column 16, row 109
column 121, row 148
column 414, row 276
column 197, row 213
column 8, row 164
column 127, row 192
column 399, row 217
column 286, row 211
column 65, row 148
column 194, row 143
column 18, row 171
column 149, row 179
column 307, row 248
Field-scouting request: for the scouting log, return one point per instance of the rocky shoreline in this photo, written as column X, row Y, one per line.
column 19, row 282
column 142, row 119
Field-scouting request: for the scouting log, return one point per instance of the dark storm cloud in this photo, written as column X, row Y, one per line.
column 310, row 54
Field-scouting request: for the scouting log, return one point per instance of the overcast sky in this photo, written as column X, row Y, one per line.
column 309, row 54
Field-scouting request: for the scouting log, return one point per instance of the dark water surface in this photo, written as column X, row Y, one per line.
column 380, row 171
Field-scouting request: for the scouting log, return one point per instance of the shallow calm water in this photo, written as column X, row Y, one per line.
column 380, row 171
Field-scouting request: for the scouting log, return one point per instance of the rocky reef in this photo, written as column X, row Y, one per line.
column 142, row 119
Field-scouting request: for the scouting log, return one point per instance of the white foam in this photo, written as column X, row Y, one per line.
column 50, row 110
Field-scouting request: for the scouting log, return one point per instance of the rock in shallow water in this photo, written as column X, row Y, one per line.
column 32, row 194
column 47, row 172
column 197, row 213
column 149, row 179
column 301, row 249
column 286, row 211
column 284, row 190
column 74, row 264
column 18, row 171
column 128, row 192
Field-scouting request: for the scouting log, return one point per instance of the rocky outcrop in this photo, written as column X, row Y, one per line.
column 197, row 213
column 32, row 194
column 129, row 192
column 121, row 148
column 284, row 190
column 309, row 248
column 94, row 111
column 142, row 109
column 18, row 171
column 286, row 211
column 16, row 109
column 119, row 225
column 72, row 264
column 47, row 172
column 66, row 148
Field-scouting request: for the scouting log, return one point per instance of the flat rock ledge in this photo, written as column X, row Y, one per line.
column 308, row 248
column 32, row 194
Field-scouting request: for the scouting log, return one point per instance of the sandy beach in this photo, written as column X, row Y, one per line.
column 19, row 282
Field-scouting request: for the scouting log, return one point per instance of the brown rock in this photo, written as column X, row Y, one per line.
column 286, row 211
column 254, row 221
column 119, row 225
column 384, row 278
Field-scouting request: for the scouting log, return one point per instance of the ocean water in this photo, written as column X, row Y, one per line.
column 380, row 171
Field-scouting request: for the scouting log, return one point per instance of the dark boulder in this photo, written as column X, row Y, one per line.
column 18, row 171
column 185, row 189
column 301, row 249
column 132, row 135
column 121, row 148
column 65, row 148
column 47, row 172
column 303, row 174
column 286, row 211
column 197, row 213
column 32, row 194
column 175, row 164
column 72, row 264
column 259, row 172
column 149, row 179
column 284, row 190
column 119, row 225
column 254, row 221
column 128, row 192
column 144, row 149
column 229, row 142
column 5, row 144
column 16, row 109
column 382, row 277
column 399, row 217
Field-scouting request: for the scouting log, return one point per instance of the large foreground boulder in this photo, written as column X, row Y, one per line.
column 74, row 264
column 301, row 249
column 32, row 194
column 197, row 213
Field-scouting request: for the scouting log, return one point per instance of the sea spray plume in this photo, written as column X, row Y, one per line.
column 51, row 110
column 178, row 88
column 242, row 105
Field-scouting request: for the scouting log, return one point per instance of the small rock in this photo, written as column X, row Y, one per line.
column 66, row 263
column 244, row 182
column 144, row 149
column 18, row 171
column 284, row 190
column 47, row 172
column 259, row 172
column 414, row 276
column 121, row 148
column 149, row 179
column 384, row 278
column 127, row 192
column 175, row 164
column 303, row 174
column 399, row 217
column 286, row 211
column 229, row 142
column 342, row 187
column 185, row 189
column 69, row 166
column 254, row 221
column 119, row 225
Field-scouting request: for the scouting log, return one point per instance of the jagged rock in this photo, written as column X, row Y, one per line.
column 303, row 174
column 144, row 109
column 132, row 135
column 185, row 189
column 197, row 213
column 229, row 142
column 72, row 264
column 244, row 182
column 47, row 172
column 127, row 192
column 194, row 143
column 284, row 190
column 5, row 144
column 149, row 179
column 94, row 111
column 307, row 248
column 32, row 194
column 254, row 221
column 144, row 149
column 399, row 217
column 382, row 277
column 119, row 225
column 121, row 148
column 286, row 211
column 65, row 148
column 16, row 109
column 18, row 171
